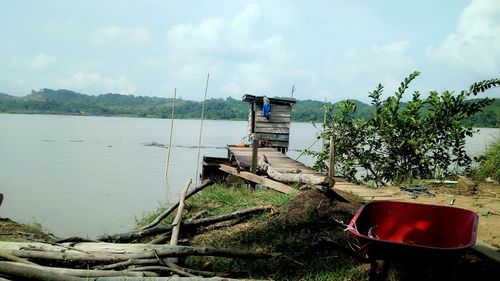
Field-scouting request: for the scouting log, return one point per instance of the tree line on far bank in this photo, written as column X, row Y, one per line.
column 49, row 101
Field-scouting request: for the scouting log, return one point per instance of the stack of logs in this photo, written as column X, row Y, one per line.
column 117, row 257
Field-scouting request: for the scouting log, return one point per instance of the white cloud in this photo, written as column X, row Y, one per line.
column 364, row 68
column 248, row 20
column 96, row 83
column 42, row 61
column 186, row 40
column 377, row 61
column 475, row 44
column 120, row 35
column 252, row 63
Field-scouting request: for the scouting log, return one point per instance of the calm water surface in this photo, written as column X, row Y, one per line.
column 87, row 176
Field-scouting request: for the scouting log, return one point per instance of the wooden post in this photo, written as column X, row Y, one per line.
column 255, row 149
column 252, row 118
column 331, row 168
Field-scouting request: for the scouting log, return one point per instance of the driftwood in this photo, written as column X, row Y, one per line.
column 176, row 224
column 25, row 272
column 144, row 262
column 310, row 179
column 167, row 212
column 129, row 236
column 82, row 272
column 166, row 279
column 110, row 252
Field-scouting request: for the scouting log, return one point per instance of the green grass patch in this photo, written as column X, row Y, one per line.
column 219, row 199
column 489, row 164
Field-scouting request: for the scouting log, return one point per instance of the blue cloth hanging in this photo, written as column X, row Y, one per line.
column 266, row 110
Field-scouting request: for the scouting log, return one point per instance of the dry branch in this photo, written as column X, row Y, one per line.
column 129, row 236
column 127, row 263
column 167, row 212
column 176, row 224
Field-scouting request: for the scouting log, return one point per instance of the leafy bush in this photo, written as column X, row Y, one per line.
column 422, row 139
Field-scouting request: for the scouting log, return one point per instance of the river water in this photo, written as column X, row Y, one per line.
column 87, row 176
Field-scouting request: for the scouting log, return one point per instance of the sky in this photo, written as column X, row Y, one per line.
column 329, row 50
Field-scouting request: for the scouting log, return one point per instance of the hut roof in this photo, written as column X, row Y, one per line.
column 259, row 99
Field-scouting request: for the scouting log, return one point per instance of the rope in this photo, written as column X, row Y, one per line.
column 302, row 153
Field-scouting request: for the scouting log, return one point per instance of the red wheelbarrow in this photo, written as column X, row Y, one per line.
column 389, row 230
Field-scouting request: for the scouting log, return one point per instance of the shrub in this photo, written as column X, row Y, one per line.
column 423, row 138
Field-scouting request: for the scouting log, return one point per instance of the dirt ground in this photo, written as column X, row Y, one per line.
column 482, row 198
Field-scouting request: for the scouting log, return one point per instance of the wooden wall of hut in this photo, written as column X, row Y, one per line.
column 274, row 132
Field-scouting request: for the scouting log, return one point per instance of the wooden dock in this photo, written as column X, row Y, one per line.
column 241, row 158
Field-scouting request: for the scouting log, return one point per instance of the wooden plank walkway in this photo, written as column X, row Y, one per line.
column 242, row 156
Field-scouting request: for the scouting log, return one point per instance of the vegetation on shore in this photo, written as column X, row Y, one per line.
column 48, row 101
column 302, row 228
column 489, row 164
column 292, row 228
column 422, row 139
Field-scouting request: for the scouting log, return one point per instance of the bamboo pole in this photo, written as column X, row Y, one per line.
column 170, row 136
column 201, row 129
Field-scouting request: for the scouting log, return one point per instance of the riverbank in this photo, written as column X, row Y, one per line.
column 305, row 229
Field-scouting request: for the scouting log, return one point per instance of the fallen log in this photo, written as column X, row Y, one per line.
column 310, row 179
column 82, row 272
column 161, row 229
column 167, row 212
column 110, row 252
column 24, row 271
column 167, row 279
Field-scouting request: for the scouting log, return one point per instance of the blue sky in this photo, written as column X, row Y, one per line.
column 329, row 50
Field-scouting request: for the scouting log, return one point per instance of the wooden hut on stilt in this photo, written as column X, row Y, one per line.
column 269, row 120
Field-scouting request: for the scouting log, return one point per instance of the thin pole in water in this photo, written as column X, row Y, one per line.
column 170, row 137
column 201, row 130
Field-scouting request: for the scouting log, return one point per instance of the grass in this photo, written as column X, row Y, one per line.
column 13, row 231
column 489, row 164
column 219, row 199
column 292, row 229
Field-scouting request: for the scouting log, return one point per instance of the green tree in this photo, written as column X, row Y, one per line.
column 425, row 138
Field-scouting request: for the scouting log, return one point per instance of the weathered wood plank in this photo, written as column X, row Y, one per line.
column 272, row 119
column 271, row 129
column 275, row 113
column 278, row 137
column 278, row 143
column 273, row 125
column 278, row 186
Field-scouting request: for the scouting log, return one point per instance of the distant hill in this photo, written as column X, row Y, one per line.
column 48, row 101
